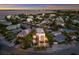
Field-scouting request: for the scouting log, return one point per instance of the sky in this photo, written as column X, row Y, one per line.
column 39, row 6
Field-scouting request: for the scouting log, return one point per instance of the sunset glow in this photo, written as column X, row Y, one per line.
column 37, row 6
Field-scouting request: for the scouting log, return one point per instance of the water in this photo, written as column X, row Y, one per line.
column 10, row 12
column 3, row 13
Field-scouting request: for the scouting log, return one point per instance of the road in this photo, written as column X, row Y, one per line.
column 5, row 47
column 55, row 50
column 61, row 49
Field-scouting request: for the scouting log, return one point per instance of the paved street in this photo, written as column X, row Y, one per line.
column 55, row 50
column 61, row 49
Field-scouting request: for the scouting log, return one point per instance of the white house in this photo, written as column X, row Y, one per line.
column 9, row 16
column 75, row 21
column 43, row 14
column 29, row 19
column 39, row 17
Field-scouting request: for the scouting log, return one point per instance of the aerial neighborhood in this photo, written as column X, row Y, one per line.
column 40, row 31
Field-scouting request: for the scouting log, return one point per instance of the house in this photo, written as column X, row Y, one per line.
column 24, row 33
column 25, row 26
column 73, row 37
column 60, row 21
column 9, row 16
column 45, row 21
column 12, row 27
column 75, row 21
column 16, row 30
column 41, row 39
column 39, row 17
column 29, row 19
column 52, row 15
column 4, row 22
column 68, row 30
column 43, row 14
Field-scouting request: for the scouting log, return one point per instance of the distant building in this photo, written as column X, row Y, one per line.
column 60, row 21
column 4, row 22
column 75, row 21
column 68, row 30
column 24, row 33
column 45, row 21
column 12, row 27
column 39, row 17
column 43, row 14
column 9, row 16
column 29, row 19
column 16, row 30
column 52, row 15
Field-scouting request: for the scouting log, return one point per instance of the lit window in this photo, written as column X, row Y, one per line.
column 46, row 41
column 41, row 41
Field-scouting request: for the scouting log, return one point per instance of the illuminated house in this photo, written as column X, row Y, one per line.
column 41, row 38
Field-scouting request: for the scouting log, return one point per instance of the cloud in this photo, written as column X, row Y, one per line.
column 67, row 6
column 7, row 5
column 40, row 6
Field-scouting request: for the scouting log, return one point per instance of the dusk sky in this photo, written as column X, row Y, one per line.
column 39, row 6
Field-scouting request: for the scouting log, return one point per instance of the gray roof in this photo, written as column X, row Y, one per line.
column 5, row 22
column 39, row 30
column 69, row 30
column 13, row 27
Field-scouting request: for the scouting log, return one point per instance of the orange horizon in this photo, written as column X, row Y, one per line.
column 39, row 8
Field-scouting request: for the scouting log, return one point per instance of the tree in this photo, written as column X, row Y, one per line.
column 8, row 35
column 26, row 41
column 54, row 24
column 25, row 44
column 50, row 39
